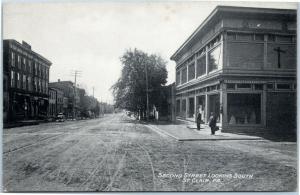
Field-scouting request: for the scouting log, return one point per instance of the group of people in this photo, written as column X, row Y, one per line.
column 212, row 122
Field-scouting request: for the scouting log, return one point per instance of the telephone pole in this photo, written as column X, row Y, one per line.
column 147, row 96
column 75, row 73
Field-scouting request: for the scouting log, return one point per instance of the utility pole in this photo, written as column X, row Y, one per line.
column 75, row 73
column 147, row 104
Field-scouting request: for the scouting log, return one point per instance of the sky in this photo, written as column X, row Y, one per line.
column 91, row 36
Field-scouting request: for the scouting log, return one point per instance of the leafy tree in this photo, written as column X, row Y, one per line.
column 130, row 89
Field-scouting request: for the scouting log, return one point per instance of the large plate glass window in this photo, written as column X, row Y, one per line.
column 244, row 108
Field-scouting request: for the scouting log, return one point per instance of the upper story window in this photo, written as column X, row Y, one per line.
column 201, row 66
column 47, row 73
column 191, row 74
column 35, row 84
column 12, row 79
column 29, row 66
column 214, row 42
column 18, row 80
column 215, row 59
column 24, row 64
column 19, row 62
column 29, row 83
column 35, row 68
column 184, row 75
column 13, row 60
column 42, row 71
column 24, row 82
column 46, row 86
column 178, row 78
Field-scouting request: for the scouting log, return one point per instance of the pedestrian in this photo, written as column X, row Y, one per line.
column 212, row 123
column 198, row 119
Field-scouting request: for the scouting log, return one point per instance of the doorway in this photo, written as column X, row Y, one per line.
column 201, row 106
column 191, row 107
column 214, row 105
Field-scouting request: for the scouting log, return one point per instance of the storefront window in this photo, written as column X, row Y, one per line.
column 183, row 105
column 177, row 107
column 244, row 108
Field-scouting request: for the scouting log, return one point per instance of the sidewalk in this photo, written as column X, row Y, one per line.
column 188, row 132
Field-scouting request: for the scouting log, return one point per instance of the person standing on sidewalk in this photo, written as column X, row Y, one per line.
column 198, row 119
column 212, row 123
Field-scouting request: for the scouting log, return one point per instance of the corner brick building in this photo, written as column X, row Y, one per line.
column 240, row 63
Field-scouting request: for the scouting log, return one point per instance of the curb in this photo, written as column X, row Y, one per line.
column 162, row 132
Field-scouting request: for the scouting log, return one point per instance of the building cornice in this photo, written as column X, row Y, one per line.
column 248, row 11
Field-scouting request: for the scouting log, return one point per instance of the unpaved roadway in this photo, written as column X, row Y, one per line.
column 115, row 153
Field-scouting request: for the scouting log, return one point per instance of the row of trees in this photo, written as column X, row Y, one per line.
column 91, row 107
column 140, row 72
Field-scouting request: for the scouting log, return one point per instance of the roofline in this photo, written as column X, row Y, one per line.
column 39, row 55
column 231, row 9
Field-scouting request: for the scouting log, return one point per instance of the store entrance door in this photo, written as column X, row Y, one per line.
column 191, row 108
column 214, row 105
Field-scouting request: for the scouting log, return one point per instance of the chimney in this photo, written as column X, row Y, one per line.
column 58, row 80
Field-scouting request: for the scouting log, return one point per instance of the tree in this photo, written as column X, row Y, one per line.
column 130, row 90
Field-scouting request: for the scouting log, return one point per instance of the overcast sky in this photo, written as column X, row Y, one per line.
column 91, row 36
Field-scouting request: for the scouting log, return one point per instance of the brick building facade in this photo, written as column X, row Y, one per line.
column 56, row 101
column 25, row 82
column 71, row 100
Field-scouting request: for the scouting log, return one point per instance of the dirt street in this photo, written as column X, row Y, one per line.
column 115, row 153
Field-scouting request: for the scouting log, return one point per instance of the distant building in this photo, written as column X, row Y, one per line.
column 240, row 63
column 56, row 98
column 25, row 82
column 71, row 100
